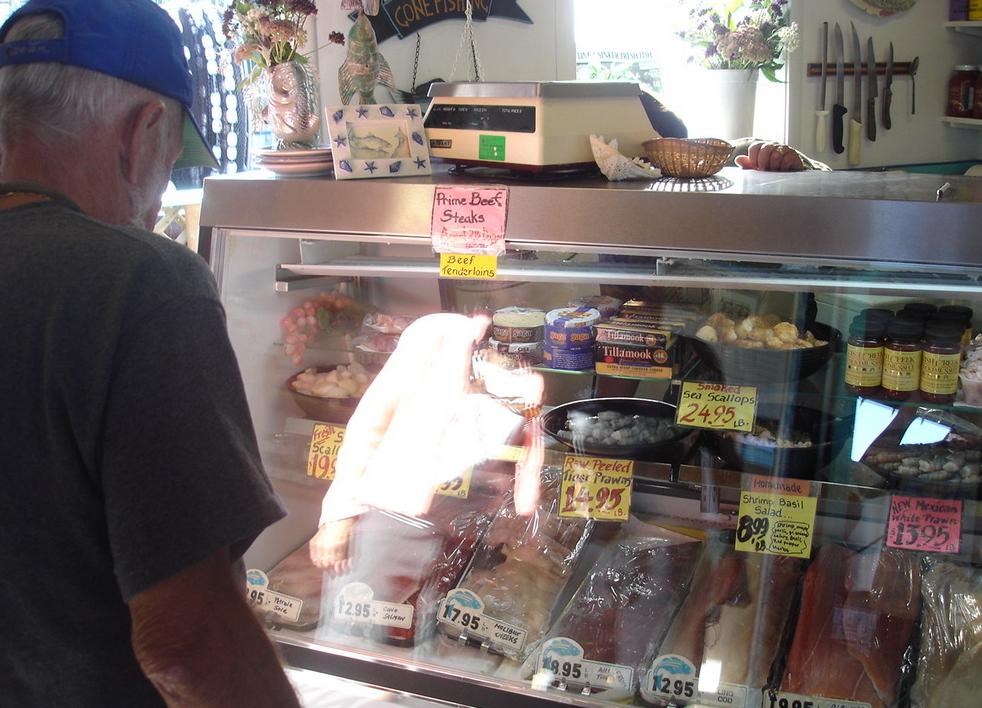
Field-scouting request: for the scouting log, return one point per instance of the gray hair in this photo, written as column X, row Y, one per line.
column 56, row 102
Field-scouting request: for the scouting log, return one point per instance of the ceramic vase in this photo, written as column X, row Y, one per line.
column 292, row 105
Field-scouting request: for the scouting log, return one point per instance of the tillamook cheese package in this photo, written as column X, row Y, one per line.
column 634, row 350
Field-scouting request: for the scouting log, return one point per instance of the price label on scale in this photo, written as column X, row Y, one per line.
column 716, row 406
column 922, row 524
column 596, row 488
column 322, row 456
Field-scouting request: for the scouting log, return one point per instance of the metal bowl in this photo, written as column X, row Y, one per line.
column 671, row 450
column 767, row 366
column 827, row 433
column 328, row 410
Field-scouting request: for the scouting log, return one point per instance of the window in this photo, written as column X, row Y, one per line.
column 635, row 40
column 218, row 105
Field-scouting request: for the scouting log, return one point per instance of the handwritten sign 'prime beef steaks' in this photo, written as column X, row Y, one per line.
column 470, row 220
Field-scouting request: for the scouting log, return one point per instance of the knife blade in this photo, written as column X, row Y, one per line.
column 871, row 91
column 822, row 114
column 839, row 108
column 856, row 119
column 888, row 90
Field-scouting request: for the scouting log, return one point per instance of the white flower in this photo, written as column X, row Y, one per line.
column 789, row 37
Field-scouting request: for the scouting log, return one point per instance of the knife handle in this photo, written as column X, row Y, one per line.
column 887, row 98
column 838, row 116
column 821, row 130
column 871, row 119
column 855, row 138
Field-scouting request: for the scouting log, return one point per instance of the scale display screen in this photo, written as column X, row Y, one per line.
column 510, row 119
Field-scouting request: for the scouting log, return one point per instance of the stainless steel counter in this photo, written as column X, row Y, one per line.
column 858, row 217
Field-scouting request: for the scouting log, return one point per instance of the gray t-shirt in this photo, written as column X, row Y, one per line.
column 126, row 448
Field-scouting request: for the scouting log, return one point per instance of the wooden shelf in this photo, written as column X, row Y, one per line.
column 972, row 27
column 971, row 123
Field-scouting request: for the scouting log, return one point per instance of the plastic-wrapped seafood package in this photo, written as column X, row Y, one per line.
column 401, row 567
column 949, row 663
column 297, row 577
column 728, row 631
column 853, row 635
column 521, row 566
column 626, row 602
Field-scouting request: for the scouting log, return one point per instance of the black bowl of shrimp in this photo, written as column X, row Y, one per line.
column 623, row 428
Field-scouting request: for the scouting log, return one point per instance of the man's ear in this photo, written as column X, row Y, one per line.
column 142, row 146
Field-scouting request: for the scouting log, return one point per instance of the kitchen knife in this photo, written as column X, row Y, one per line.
column 822, row 114
column 887, row 90
column 871, row 91
column 839, row 108
column 856, row 121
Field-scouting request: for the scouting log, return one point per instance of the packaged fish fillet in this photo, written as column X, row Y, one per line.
column 626, row 602
column 727, row 633
column 852, row 640
column 521, row 566
column 402, row 567
column 300, row 581
column 949, row 662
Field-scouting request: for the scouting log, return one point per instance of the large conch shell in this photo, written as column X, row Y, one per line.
column 617, row 167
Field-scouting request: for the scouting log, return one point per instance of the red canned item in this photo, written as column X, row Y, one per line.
column 961, row 91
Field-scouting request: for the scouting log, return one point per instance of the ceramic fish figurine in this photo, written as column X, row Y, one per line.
column 364, row 68
column 293, row 106
column 616, row 166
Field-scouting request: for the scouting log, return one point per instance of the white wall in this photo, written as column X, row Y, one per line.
column 510, row 51
column 919, row 31
column 546, row 51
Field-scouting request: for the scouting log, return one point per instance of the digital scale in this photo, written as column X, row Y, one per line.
column 533, row 126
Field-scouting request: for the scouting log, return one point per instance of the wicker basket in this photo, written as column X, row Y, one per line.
column 680, row 157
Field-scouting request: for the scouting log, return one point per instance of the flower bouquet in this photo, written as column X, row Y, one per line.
column 742, row 34
column 269, row 34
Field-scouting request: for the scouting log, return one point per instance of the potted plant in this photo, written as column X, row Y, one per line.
column 735, row 40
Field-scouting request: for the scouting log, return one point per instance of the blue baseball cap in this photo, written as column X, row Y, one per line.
column 132, row 40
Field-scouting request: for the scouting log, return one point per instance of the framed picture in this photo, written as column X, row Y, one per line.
column 385, row 140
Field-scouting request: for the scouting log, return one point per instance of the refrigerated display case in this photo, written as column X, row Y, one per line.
column 792, row 533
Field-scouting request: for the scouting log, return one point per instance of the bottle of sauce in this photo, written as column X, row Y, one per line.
column 878, row 313
column 961, row 91
column 864, row 356
column 902, row 359
column 940, row 362
column 918, row 310
column 958, row 314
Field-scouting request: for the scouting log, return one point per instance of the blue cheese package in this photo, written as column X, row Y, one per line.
column 568, row 359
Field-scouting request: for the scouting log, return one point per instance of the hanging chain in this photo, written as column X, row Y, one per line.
column 468, row 35
column 419, row 42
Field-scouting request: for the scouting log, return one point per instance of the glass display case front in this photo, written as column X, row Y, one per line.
column 634, row 467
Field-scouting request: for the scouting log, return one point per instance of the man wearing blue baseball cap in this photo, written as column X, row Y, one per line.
column 131, row 476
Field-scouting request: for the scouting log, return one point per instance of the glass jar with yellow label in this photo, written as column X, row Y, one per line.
column 864, row 356
column 902, row 359
column 940, row 362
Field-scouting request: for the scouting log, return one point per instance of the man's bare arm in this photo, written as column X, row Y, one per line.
column 199, row 644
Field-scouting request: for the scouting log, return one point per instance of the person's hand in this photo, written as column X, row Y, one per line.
column 771, row 157
column 329, row 546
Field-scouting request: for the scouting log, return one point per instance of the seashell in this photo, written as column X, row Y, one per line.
column 338, row 116
column 345, row 165
column 417, row 138
column 387, row 112
column 395, row 167
column 616, row 166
